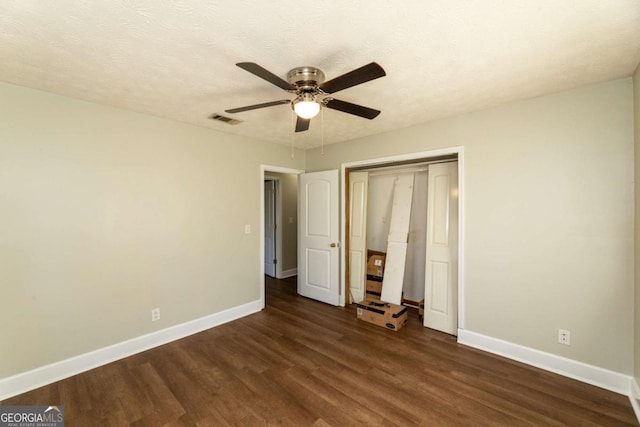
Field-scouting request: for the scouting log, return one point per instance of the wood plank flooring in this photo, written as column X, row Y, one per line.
column 303, row 363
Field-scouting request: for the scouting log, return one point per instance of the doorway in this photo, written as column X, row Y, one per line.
column 281, row 261
column 270, row 232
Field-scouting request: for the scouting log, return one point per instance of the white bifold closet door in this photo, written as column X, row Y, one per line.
column 358, row 188
column 441, row 269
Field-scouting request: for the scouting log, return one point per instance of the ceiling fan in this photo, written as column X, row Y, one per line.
column 312, row 92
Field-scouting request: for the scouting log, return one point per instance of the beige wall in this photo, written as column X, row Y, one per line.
column 636, row 114
column 289, row 198
column 548, row 217
column 106, row 214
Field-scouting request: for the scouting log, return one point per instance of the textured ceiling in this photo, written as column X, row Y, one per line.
column 176, row 59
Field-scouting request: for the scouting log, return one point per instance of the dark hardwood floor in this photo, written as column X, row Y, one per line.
column 301, row 363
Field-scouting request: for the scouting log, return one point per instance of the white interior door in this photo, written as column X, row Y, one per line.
column 318, row 232
column 269, row 229
column 358, row 190
column 441, row 269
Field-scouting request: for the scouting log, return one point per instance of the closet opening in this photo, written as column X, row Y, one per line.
column 407, row 212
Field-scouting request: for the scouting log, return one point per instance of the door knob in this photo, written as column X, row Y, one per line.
column 333, row 245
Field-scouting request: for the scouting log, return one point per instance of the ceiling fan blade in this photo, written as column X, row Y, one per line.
column 356, row 110
column 302, row 124
column 267, row 75
column 360, row 75
column 256, row 106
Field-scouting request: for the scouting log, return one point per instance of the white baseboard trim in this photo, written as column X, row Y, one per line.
column 580, row 371
column 634, row 398
column 23, row 382
column 288, row 273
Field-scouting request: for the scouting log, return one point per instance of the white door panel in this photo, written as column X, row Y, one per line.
column 441, row 270
column 318, row 203
column 318, row 265
column 318, row 249
column 439, row 296
column 358, row 189
column 357, row 272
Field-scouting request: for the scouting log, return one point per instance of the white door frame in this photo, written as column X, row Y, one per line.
column 404, row 157
column 264, row 172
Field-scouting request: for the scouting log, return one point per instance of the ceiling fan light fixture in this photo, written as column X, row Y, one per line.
column 306, row 106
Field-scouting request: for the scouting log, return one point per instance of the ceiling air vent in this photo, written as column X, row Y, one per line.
column 227, row 120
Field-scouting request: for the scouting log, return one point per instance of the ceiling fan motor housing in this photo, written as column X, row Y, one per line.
column 305, row 78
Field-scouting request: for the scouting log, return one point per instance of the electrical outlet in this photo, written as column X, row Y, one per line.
column 247, row 229
column 155, row 314
column 564, row 336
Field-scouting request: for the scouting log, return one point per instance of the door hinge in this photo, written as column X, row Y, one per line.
column 275, row 261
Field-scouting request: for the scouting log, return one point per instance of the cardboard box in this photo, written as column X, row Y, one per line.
column 373, row 296
column 375, row 263
column 387, row 315
column 374, row 286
